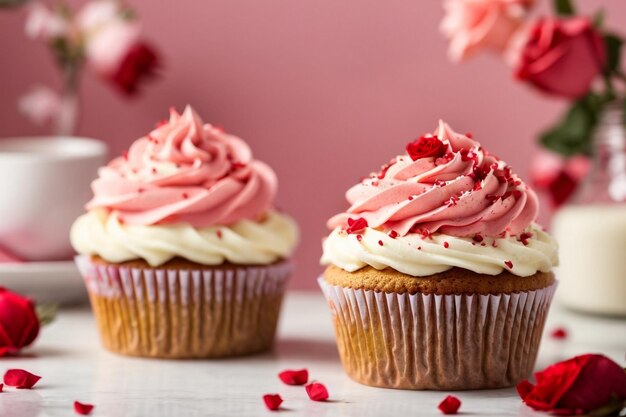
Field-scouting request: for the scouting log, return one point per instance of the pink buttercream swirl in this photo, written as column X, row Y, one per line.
column 185, row 171
column 460, row 191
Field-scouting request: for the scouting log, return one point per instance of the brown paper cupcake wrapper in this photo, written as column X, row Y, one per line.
column 184, row 313
column 440, row 342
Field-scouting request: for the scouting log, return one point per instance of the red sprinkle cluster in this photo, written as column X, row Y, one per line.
column 524, row 238
column 356, row 225
column 509, row 264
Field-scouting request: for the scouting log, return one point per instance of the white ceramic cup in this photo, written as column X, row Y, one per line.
column 44, row 185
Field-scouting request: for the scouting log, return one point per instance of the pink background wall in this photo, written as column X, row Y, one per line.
column 325, row 91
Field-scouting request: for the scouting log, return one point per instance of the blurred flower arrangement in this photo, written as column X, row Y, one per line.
column 103, row 36
column 567, row 56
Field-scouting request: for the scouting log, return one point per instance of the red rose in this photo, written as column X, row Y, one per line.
column 562, row 57
column 19, row 325
column 139, row 63
column 426, row 147
column 576, row 386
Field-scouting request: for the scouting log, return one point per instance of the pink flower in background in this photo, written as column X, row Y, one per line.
column 562, row 56
column 113, row 46
column 558, row 176
column 472, row 25
column 40, row 105
column 44, row 24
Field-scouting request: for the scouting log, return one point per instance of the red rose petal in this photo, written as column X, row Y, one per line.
column 1, row 387
column 426, row 147
column 524, row 388
column 559, row 333
column 83, row 409
column 317, row 391
column 4, row 351
column 20, row 378
column 294, row 377
column 272, row 401
column 450, row 405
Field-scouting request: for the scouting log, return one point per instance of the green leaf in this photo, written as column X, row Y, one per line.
column 46, row 313
column 613, row 45
column 572, row 135
column 564, row 7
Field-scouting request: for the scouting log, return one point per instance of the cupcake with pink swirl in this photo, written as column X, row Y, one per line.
column 181, row 248
column 437, row 275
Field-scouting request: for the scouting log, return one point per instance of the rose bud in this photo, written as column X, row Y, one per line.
column 576, row 386
column 19, row 325
column 561, row 57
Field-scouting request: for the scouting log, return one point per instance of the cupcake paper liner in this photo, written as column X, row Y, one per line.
column 439, row 342
column 185, row 313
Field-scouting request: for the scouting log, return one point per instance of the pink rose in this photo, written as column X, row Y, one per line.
column 562, row 57
column 43, row 24
column 481, row 24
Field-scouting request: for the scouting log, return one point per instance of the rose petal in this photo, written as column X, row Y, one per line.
column 20, row 378
column 1, row 387
column 83, row 409
column 317, row 391
column 5, row 351
column 524, row 388
column 294, row 377
column 272, row 401
column 559, row 333
column 450, row 405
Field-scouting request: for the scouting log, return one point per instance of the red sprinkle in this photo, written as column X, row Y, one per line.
column 219, row 234
column 380, row 242
column 477, row 238
column 469, row 135
column 83, row 409
column 125, row 155
column 141, row 190
column 410, row 197
column 355, row 225
column 317, row 391
column 446, row 245
column 185, row 196
column 393, row 234
column 294, row 377
column 450, row 405
column 374, row 183
column 509, row 264
column 20, row 378
column 559, row 333
column 524, row 238
column 419, row 248
column 359, row 237
column 154, row 170
column 384, row 168
column 272, row 401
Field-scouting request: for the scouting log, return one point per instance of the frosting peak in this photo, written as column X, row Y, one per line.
column 447, row 183
column 185, row 171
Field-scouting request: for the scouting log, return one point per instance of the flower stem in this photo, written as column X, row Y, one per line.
column 68, row 113
column 564, row 7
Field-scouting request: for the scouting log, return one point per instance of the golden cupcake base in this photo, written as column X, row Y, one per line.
column 185, row 313
column 438, row 341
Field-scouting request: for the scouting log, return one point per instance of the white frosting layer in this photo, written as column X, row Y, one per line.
column 402, row 254
column 245, row 242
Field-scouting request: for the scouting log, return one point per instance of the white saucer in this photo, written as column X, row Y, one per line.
column 58, row 282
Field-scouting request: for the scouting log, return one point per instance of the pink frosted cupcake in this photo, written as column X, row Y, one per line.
column 181, row 249
column 438, row 277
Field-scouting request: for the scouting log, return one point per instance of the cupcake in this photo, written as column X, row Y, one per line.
column 181, row 249
column 437, row 275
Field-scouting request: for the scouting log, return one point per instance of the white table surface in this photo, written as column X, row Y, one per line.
column 73, row 366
